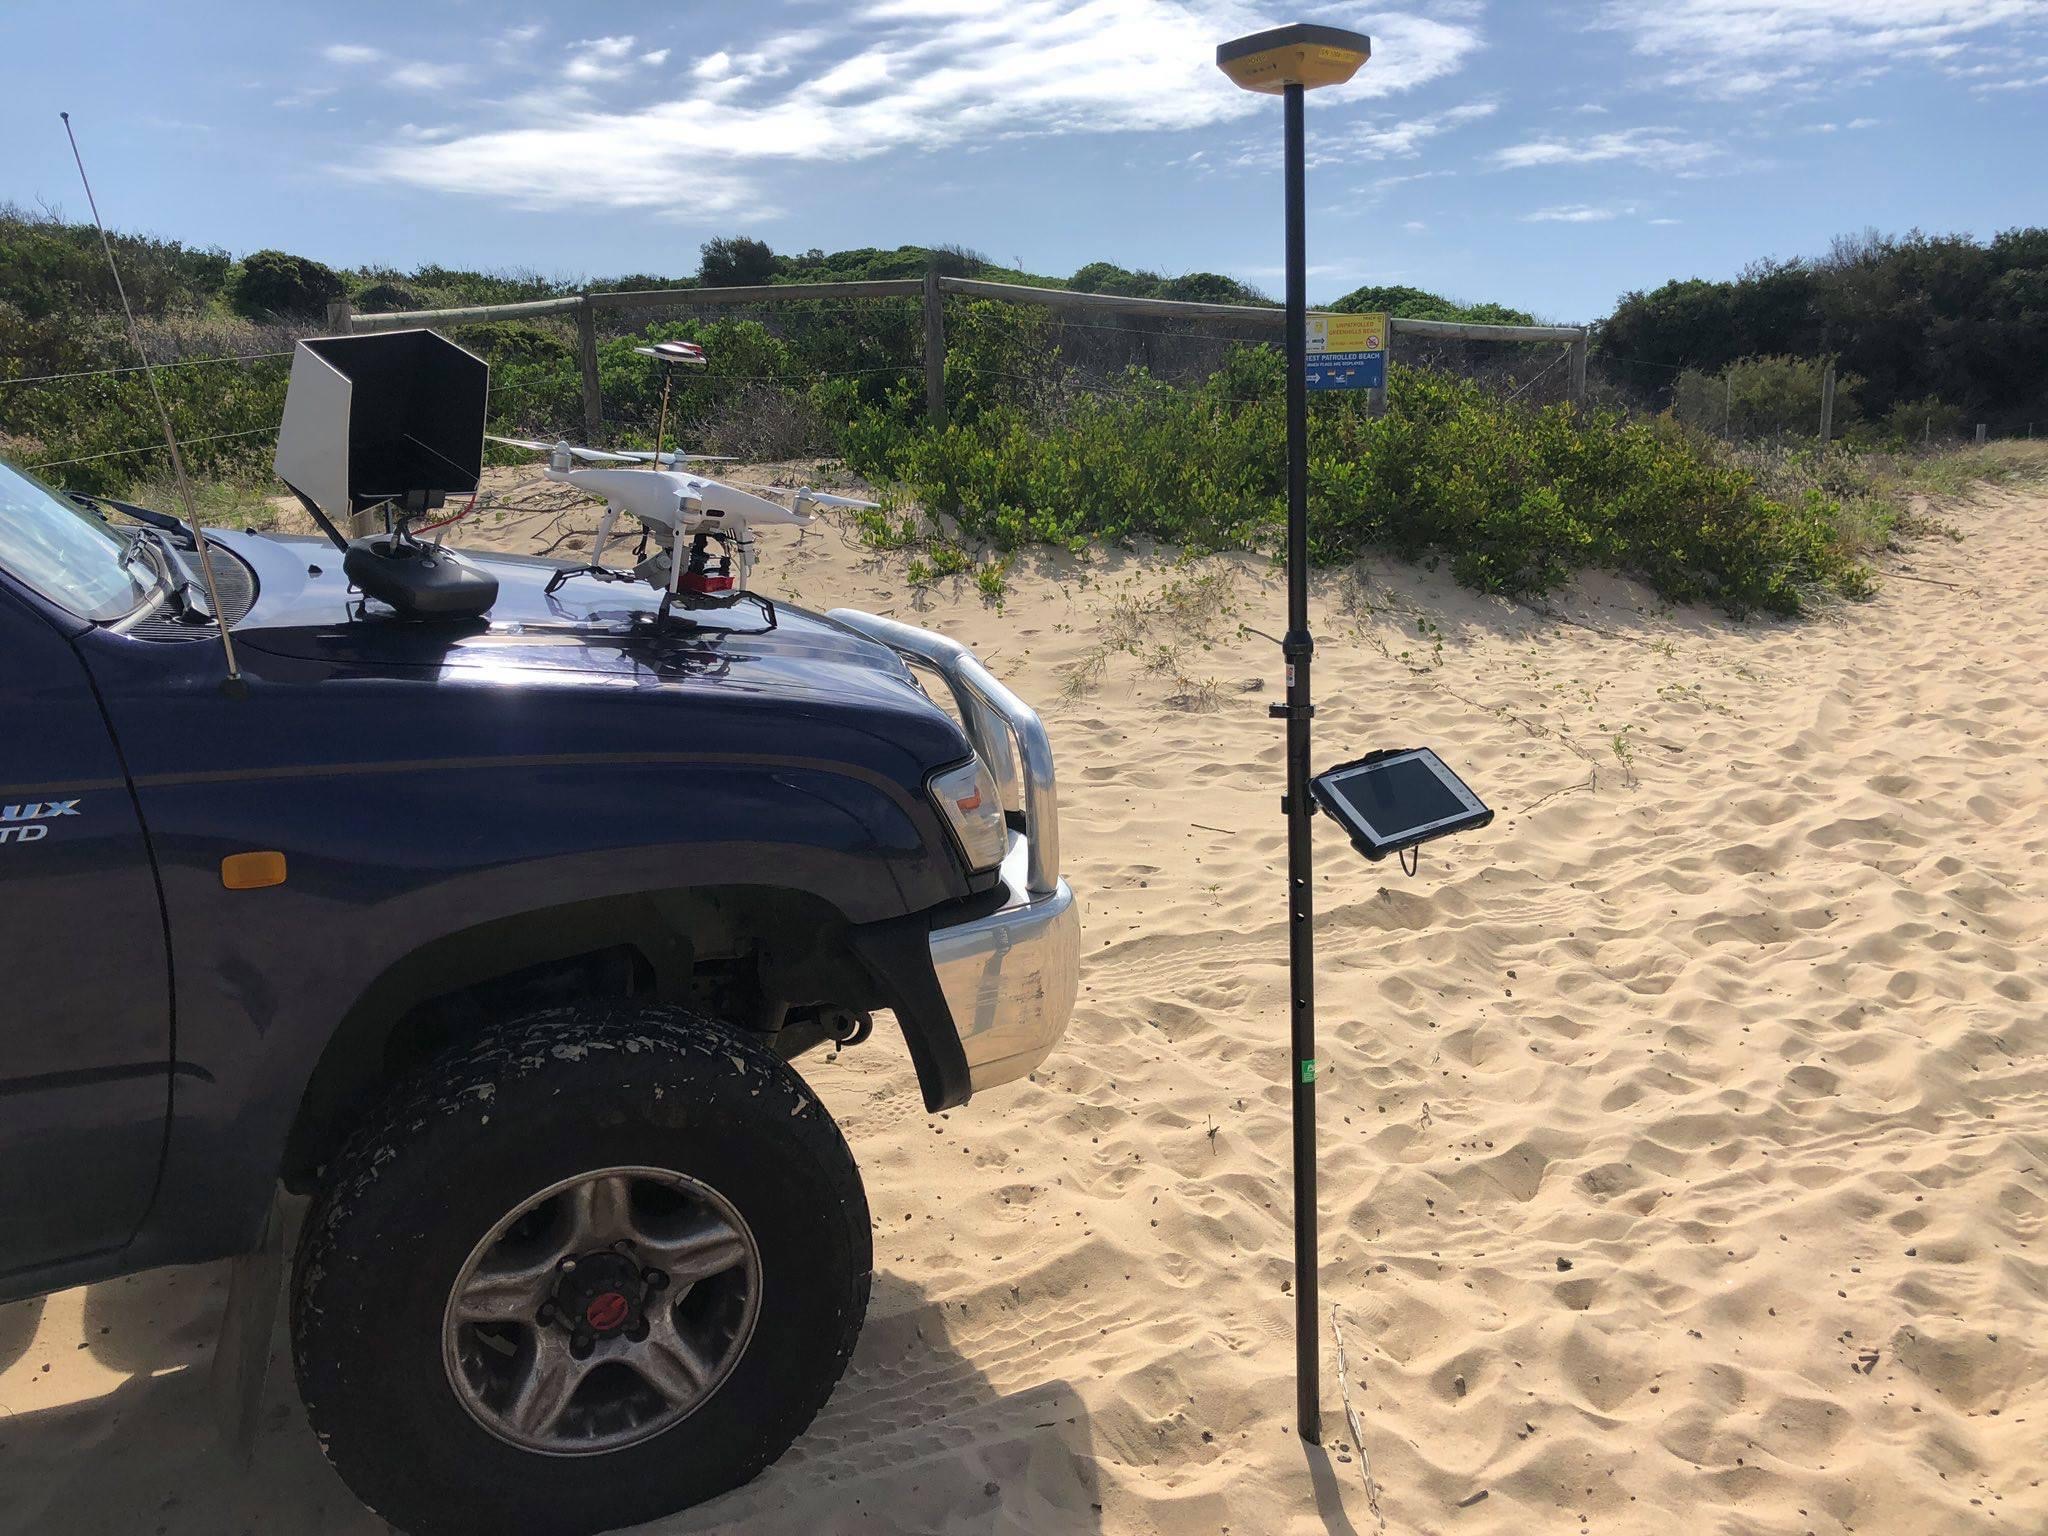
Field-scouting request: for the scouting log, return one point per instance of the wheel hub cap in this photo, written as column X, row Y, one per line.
column 605, row 1290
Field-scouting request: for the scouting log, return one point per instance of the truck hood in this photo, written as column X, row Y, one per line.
column 596, row 632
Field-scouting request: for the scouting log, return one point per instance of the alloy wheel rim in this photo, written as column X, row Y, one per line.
column 601, row 1311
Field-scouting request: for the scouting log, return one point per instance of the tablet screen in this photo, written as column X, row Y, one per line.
column 1392, row 802
column 1399, row 796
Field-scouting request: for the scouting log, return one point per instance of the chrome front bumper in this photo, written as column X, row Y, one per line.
column 1010, row 978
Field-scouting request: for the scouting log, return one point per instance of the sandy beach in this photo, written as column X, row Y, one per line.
column 1684, row 1134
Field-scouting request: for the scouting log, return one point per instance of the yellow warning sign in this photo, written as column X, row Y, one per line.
column 1347, row 333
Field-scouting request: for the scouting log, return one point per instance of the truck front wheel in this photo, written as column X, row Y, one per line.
column 599, row 1265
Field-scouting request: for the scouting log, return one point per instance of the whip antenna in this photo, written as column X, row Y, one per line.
column 227, row 643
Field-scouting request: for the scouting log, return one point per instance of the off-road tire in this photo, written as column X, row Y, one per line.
column 480, row 1130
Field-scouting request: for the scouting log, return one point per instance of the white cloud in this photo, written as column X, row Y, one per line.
column 428, row 77
column 510, row 47
column 862, row 72
column 1403, row 138
column 1658, row 148
column 351, row 53
column 913, row 74
column 1571, row 213
column 1728, row 48
column 1369, row 138
column 1415, row 226
column 595, row 59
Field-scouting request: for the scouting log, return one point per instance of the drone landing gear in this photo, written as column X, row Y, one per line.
column 720, row 602
column 594, row 572
column 596, row 568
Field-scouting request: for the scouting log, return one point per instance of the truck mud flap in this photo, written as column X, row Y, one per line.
column 241, row 1351
column 897, row 954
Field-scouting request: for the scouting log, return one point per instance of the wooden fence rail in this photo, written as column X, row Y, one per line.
column 931, row 290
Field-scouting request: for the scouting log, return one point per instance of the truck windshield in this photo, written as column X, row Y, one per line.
column 64, row 553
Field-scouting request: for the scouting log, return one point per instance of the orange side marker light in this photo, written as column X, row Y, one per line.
column 252, row 871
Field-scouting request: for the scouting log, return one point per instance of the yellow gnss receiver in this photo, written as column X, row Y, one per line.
column 1303, row 54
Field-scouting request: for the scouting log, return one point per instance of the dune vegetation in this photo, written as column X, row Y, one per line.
column 1055, row 435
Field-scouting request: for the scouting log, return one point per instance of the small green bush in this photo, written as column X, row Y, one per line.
column 274, row 283
column 1914, row 422
column 386, row 297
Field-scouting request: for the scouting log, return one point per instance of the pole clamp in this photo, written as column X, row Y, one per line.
column 1298, row 646
column 1291, row 711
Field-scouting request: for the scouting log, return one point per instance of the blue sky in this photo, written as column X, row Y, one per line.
column 1547, row 155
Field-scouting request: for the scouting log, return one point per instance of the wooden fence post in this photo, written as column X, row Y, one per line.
column 1983, row 434
column 586, row 356
column 1827, row 406
column 341, row 316
column 934, row 349
column 1579, row 352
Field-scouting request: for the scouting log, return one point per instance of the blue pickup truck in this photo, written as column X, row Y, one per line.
column 491, row 939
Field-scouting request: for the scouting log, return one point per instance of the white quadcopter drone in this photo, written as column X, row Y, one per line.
column 685, row 514
column 673, row 506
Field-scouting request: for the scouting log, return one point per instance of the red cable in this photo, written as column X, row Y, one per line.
column 447, row 522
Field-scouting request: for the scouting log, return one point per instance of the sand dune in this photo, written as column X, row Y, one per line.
column 1685, row 1134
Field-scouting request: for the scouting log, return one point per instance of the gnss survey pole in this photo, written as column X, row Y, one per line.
column 1292, row 61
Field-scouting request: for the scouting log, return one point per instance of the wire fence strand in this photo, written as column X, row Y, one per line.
column 122, row 453
column 93, row 373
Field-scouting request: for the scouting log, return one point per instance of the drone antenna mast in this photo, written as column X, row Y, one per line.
column 199, row 539
column 668, row 377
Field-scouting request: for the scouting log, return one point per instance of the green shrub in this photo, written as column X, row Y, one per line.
column 101, row 433
column 999, row 354
column 1912, row 422
column 278, row 283
column 735, row 261
column 1419, row 304
column 1764, row 397
column 992, row 581
column 383, row 298
column 1516, row 499
column 50, row 268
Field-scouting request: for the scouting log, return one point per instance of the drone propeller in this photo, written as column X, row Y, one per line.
column 804, row 496
column 673, row 351
column 588, row 455
column 673, row 457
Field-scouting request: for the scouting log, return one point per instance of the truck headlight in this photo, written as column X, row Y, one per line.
column 967, row 798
